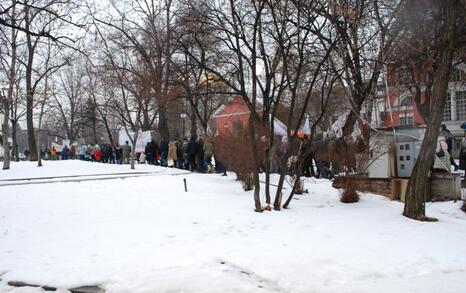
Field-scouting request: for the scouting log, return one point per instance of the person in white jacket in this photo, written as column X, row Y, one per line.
column 442, row 157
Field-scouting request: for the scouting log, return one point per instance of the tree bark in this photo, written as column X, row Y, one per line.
column 193, row 119
column 14, row 140
column 29, row 91
column 267, row 174
column 5, row 133
column 9, row 97
column 414, row 204
column 163, row 123
column 277, row 204
column 255, row 174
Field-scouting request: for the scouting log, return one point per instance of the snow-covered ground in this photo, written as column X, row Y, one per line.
column 145, row 234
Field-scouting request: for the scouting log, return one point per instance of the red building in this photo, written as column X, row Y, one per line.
column 403, row 111
column 232, row 116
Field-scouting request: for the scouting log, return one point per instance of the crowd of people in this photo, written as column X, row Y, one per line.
column 197, row 155
column 193, row 154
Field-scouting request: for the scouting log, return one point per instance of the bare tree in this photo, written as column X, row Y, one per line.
column 68, row 98
column 368, row 31
column 446, row 19
column 151, row 42
column 9, row 69
column 44, row 17
column 128, row 88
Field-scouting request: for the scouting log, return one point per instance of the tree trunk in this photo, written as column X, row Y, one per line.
column 9, row 97
column 14, row 140
column 297, row 181
column 193, row 120
column 5, row 132
column 252, row 134
column 267, row 175
column 30, row 124
column 414, row 205
column 163, row 125
column 94, row 130
column 277, row 204
column 109, row 132
column 29, row 91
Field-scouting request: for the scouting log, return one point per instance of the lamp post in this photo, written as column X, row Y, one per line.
column 183, row 117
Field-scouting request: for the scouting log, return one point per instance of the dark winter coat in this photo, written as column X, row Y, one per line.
column 147, row 150
column 117, row 152
column 200, row 150
column 153, row 149
column 193, row 148
column 108, row 151
column 463, row 155
column 164, row 146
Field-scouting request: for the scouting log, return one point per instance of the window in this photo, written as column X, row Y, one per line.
column 405, row 102
column 447, row 109
column 461, row 105
column 237, row 126
column 405, row 120
column 404, row 74
column 456, row 75
column 402, row 120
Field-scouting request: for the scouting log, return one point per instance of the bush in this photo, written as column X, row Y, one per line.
column 235, row 152
column 463, row 208
column 349, row 193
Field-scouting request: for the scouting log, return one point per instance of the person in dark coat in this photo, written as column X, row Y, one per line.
column 163, row 152
column 200, row 155
column 118, row 154
column 149, row 154
column 179, row 154
column 103, row 149
column 65, row 152
column 153, row 152
column 109, row 154
column 192, row 150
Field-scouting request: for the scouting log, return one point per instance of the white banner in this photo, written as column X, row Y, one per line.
column 143, row 138
column 57, row 146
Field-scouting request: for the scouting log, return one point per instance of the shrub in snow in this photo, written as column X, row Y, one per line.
column 464, row 206
column 349, row 193
column 234, row 150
